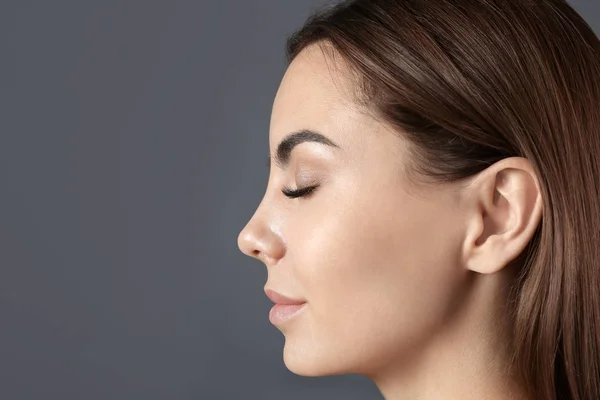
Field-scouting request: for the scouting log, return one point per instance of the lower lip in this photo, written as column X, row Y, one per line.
column 281, row 313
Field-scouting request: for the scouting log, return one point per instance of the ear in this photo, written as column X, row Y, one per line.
column 503, row 209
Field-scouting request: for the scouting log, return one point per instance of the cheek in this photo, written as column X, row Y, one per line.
column 374, row 275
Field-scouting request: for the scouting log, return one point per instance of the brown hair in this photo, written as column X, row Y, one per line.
column 470, row 83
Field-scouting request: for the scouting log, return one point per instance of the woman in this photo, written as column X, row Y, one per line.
column 431, row 219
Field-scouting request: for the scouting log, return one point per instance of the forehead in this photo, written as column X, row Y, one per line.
column 315, row 93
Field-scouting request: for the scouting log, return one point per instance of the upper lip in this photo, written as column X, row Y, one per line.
column 278, row 298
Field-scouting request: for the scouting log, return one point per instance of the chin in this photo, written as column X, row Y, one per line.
column 312, row 360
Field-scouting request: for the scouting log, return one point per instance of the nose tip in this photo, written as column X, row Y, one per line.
column 261, row 239
column 245, row 242
column 260, row 243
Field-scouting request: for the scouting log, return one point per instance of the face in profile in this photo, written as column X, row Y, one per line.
column 374, row 256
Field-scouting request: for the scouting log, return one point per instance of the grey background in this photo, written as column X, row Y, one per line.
column 133, row 141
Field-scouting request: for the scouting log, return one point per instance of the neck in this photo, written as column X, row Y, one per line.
column 469, row 359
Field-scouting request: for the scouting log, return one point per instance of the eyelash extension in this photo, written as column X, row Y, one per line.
column 292, row 194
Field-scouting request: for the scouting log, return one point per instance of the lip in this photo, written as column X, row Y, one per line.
column 281, row 313
column 280, row 299
column 285, row 308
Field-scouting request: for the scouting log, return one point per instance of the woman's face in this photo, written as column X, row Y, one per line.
column 375, row 258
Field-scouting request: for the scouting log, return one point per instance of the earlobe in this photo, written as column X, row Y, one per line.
column 504, row 208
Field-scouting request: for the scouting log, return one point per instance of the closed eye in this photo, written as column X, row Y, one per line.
column 295, row 193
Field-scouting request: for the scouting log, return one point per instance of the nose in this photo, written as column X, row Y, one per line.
column 247, row 242
column 258, row 240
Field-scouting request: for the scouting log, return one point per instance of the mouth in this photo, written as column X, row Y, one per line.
column 285, row 308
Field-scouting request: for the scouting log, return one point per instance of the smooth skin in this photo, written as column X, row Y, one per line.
column 405, row 282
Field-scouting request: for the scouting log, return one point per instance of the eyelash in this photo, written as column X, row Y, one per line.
column 295, row 193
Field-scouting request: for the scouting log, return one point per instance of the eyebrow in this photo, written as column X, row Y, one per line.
column 285, row 147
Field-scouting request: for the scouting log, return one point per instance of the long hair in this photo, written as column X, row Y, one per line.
column 469, row 83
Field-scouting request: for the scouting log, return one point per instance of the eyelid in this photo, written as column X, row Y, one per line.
column 306, row 174
column 300, row 192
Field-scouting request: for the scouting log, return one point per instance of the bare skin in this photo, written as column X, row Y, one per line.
column 404, row 282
